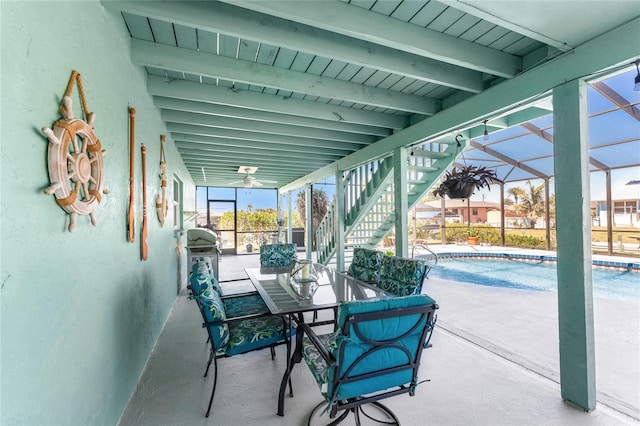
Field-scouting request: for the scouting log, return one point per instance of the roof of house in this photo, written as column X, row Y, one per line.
column 622, row 191
column 449, row 204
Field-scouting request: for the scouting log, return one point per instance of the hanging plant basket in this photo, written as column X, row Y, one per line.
column 457, row 191
column 460, row 182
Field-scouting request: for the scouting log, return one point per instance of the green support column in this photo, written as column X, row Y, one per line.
column 401, row 200
column 575, row 287
column 339, row 221
column 289, row 217
column 309, row 213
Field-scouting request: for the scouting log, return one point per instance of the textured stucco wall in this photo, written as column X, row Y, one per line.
column 80, row 312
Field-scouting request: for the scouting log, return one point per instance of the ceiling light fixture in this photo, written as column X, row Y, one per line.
column 485, row 135
column 636, row 86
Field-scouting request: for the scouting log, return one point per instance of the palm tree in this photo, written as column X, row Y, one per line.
column 517, row 193
column 533, row 202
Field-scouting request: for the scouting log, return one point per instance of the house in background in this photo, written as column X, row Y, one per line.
column 626, row 205
column 458, row 211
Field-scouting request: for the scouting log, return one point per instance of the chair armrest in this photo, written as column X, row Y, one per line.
column 313, row 337
column 235, row 319
column 235, row 295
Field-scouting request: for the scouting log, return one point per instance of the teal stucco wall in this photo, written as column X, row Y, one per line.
column 80, row 312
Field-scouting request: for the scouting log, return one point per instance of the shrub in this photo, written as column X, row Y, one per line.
column 488, row 234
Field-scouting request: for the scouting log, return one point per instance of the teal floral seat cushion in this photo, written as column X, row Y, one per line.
column 254, row 333
column 213, row 311
column 205, row 267
column 401, row 276
column 244, row 305
column 318, row 366
column 198, row 283
column 366, row 264
column 278, row 254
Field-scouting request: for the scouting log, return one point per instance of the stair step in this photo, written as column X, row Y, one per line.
column 423, row 169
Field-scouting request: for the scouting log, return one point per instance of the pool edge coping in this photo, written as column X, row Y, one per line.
column 609, row 264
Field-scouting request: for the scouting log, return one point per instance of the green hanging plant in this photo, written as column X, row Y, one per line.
column 461, row 182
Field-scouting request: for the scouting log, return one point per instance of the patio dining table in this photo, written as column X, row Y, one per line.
column 283, row 297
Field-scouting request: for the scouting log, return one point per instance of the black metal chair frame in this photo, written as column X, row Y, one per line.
column 213, row 355
column 426, row 320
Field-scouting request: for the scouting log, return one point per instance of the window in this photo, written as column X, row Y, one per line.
column 623, row 207
column 474, row 211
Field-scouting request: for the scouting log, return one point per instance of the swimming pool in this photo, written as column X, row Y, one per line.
column 531, row 274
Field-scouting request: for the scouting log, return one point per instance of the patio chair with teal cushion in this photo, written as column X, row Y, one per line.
column 235, row 324
column 374, row 354
column 278, row 254
column 402, row 276
column 366, row 265
column 249, row 303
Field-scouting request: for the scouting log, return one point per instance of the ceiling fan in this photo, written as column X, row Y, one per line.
column 249, row 181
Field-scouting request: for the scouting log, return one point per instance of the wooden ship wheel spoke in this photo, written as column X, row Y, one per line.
column 75, row 160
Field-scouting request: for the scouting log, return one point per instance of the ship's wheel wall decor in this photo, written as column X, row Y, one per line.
column 75, row 160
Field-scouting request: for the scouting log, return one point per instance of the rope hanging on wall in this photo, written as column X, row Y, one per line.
column 75, row 159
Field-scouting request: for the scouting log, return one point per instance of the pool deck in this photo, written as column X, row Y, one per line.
column 494, row 361
column 522, row 326
column 464, row 248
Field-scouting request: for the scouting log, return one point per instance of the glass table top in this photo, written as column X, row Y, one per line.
column 284, row 295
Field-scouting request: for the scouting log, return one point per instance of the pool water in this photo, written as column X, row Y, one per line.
column 607, row 283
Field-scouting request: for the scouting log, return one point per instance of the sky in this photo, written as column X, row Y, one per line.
column 598, row 186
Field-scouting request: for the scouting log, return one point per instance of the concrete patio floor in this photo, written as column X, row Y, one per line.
column 493, row 362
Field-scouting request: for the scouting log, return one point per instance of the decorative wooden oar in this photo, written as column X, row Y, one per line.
column 131, row 233
column 143, row 235
column 161, row 199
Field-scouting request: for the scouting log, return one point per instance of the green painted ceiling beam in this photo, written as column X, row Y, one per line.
column 235, row 163
column 318, row 175
column 265, row 116
column 208, row 143
column 614, row 49
column 476, row 10
column 189, row 90
column 226, row 178
column 509, row 120
column 259, row 137
column 289, row 162
column 225, row 168
column 184, row 146
column 262, row 127
column 526, row 115
column 172, row 58
column 230, row 20
column 342, row 18
column 231, row 166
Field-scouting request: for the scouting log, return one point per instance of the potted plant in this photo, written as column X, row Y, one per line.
column 460, row 182
column 472, row 236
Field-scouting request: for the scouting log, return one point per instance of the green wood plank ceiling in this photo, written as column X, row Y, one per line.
column 294, row 87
